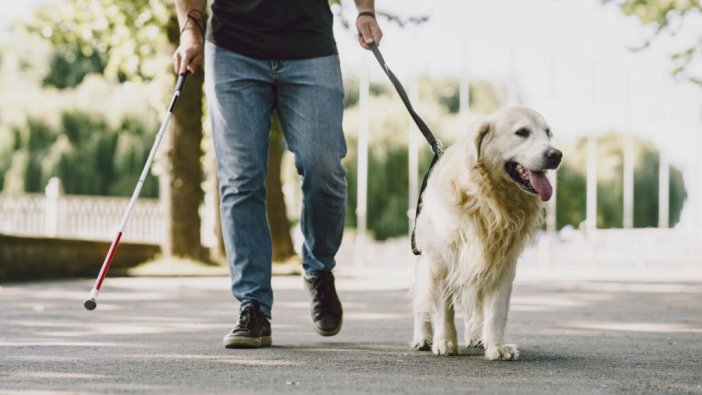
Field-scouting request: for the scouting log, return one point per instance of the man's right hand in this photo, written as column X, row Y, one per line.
column 190, row 52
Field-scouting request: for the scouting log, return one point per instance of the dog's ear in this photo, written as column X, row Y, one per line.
column 480, row 134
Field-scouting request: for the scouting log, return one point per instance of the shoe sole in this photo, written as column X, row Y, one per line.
column 247, row 342
column 327, row 333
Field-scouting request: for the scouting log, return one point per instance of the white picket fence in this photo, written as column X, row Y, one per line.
column 55, row 214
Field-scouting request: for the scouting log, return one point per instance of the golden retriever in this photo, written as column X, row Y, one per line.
column 481, row 206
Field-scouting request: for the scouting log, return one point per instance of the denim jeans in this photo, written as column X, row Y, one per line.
column 242, row 93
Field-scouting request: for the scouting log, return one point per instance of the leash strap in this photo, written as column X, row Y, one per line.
column 436, row 146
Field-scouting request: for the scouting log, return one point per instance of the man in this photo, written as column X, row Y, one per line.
column 264, row 56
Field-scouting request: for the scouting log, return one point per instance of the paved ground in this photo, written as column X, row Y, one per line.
column 578, row 334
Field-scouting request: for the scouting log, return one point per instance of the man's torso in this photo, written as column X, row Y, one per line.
column 273, row 29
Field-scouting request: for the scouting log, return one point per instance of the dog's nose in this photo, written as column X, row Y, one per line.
column 553, row 157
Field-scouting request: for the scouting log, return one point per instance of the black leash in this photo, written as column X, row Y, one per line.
column 436, row 146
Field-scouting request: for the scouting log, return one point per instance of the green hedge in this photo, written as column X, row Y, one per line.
column 89, row 156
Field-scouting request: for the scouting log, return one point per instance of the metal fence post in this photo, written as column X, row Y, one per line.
column 54, row 192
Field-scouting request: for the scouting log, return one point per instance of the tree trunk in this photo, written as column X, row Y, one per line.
column 277, row 213
column 180, row 182
column 181, row 189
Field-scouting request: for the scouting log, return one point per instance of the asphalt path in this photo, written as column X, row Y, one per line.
column 163, row 336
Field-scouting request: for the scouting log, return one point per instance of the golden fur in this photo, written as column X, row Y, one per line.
column 473, row 225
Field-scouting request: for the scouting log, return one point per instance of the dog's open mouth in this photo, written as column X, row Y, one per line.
column 531, row 181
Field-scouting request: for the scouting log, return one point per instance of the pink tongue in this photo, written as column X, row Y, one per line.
column 541, row 184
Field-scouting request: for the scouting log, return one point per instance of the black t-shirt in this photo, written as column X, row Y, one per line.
column 273, row 29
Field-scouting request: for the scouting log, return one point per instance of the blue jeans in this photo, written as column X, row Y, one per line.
column 307, row 94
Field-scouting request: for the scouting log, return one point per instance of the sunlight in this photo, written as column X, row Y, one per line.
column 376, row 316
column 654, row 327
column 35, row 343
column 563, row 301
column 231, row 359
column 58, row 375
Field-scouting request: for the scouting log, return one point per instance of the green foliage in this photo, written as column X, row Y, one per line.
column 448, row 93
column 388, row 185
column 69, row 67
column 131, row 151
column 667, row 15
column 5, row 158
column 38, row 139
column 128, row 36
column 658, row 12
column 610, row 188
column 351, row 91
column 351, row 94
column 646, row 184
column 445, row 91
column 388, row 190
column 483, row 97
column 389, row 124
column 570, row 197
column 571, row 193
column 677, row 197
column 122, row 40
column 89, row 156
column 39, row 136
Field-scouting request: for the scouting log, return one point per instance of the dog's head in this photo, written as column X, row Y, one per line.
column 515, row 146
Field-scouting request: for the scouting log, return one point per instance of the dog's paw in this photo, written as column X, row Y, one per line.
column 505, row 352
column 476, row 344
column 423, row 344
column 445, row 347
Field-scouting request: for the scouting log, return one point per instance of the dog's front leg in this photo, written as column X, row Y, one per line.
column 424, row 296
column 473, row 320
column 496, row 306
column 445, row 338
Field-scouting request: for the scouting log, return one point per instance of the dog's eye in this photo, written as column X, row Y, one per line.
column 523, row 132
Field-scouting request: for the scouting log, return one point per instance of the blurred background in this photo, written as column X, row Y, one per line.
column 84, row 84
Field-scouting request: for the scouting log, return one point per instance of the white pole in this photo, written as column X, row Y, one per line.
column 512, row 97
column 628, row 182
column 591, row 199
column 464, row 94
column 53, row 192
column 663, row 172
column 551, row 206
column 663, row 189
column 545, row 240
column 628, row 159
column 591, row 202
column 362, row 166
column 698, row 170
column 699, row 187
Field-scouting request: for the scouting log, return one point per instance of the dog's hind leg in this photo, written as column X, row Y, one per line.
column 496, row 307
column 423, row 304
